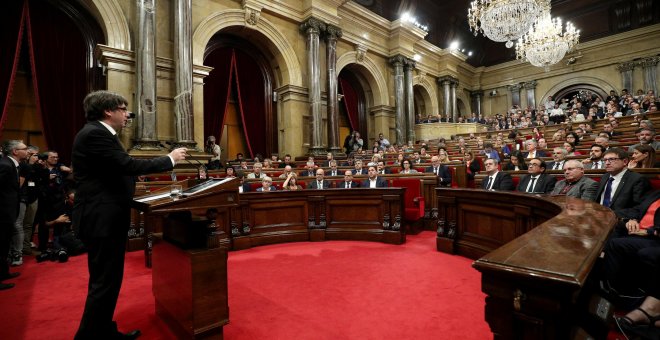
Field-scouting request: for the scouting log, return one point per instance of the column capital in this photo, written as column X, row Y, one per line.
column 477, row 94
column 333, row 32
column 409, row 64
column 312, row 26
column 397, row 61
column 514, row 88
column 626, row 66
column 649, row 61
column 447, row 79
column 530, row 85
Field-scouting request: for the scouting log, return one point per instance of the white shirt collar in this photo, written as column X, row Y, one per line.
column 112, row 131
column 618, row 176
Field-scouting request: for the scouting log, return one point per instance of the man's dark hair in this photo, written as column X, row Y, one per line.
column 96, row 103
column 620, row 153
column 542, row 165
column 602, row 148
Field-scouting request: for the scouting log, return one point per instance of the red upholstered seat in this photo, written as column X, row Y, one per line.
column 655, row 183
column 516, row 180
column 413, row 199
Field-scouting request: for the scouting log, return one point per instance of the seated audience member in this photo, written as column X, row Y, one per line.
column 532, row 151
column 643, row 157
column 319, row 182
column 328, row 157
column 502, row 147
column 416, row 159
column 441, row 171
column 287, row 170
column 243, row 165
column 603, row 140
column 642, row 322
column 267, row 164
column 374, row 181
column 384, row 143
column 244, row 186
column 443, row 156
column 257, row 171
column 291, row 182
column 575, row 183
column 516, row 163
column 543, row 144
column 406, row 169
column 573, row 137
column 536, row 181
column 497, row 180
column 620, row 188
column 267, row 184
column 348, row 181
column 382, row 169
column 646, row 136
column 239, row 157
column 489, row 152
column 333, row 171
column 309, row 170
column 230, row 172
column 472, row 166
column 287, row 161
column 559, row 155
column 570, row 149
column 595, row 160
column 274, row 158
column 359, row 169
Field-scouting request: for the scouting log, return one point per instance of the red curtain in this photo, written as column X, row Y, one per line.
column 11, row 33
column 350, row 101
column 217, row 90
column 58, row 60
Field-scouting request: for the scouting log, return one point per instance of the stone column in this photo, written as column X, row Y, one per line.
column 650, row 71
column 332, row 33
column 408, row 67
column 445, row 81
column 626, row 70
column 530, row 86
column 183, row 104
column 400, row 121
column 515, row 94
column 312, row 29
column 476, row 102
column 454, row 107
column 146, row 136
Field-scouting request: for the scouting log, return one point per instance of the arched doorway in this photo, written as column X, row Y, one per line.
column 54, row 72
column 238, row 97
column 584, row 91
column 355, row 97
column 422, row 101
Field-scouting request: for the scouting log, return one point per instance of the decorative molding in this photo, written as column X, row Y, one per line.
column 360, row 53
column 312, row 26
column 397, row 61
column 626, row 66
column 333, row 32
column 530, row 85
column 649, row 61
column 515, row 88
column 447, row 79
column 252, row 12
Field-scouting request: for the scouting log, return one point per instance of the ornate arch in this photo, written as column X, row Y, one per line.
column 430, row 92
column 373, row 76
column 285, row 54
column 602, row 87
column 113, row 21
column 466, row 103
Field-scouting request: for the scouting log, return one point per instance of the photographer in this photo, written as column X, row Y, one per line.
column 215, row 150
column 52, row 193
column 65, row 241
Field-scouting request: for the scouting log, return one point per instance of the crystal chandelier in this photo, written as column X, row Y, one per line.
column 546, row 43
column 505, row 20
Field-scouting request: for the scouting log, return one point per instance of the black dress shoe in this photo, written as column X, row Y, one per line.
column 9, row 276
column 4, row 286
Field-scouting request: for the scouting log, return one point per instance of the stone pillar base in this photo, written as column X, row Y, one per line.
column 188, row 144
column 317, row 151
column 335, row 150
column 147, row 145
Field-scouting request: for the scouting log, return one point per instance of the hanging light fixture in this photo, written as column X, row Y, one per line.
column 505, row 20
column 547, row 43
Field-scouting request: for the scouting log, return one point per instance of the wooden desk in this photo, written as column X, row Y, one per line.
column 535, row 254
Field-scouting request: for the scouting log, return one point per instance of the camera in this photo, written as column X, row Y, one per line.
column 59, row 255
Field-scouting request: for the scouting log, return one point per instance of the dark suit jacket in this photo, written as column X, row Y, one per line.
column 246, row 186
column 444, row 173
column 544, row 184
column 551, row 165
column 539, row 153
column 342, row 185
column 362, row 172
column 629, row 193
column 314, row 184
column 105, row 176
column 387, row 171
column 339, row 172
column 307, row 173
column 9, row 194
column 380, row 183
column 503, row 181
column 637, row 212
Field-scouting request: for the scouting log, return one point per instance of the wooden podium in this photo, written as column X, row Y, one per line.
column 189, row 257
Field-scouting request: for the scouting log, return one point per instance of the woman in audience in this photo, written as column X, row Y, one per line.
column 406, row 169
column 570, row 147
column 536, row 134
column 443, row 156
column 573, row 137
column 480, row 144
column 230, row 172
column 502, row 148
column 643, row 157
column 517, row 162
column 267, row 164
column 291, row 182
column 560, row 134
column 399, row 158
column 471, row 164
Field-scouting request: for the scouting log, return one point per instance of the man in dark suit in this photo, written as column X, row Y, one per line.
column 382, row 169
column 496, row 180
column 620, row 188
column 359, row 170
column 105, row 175
column 536, row 181
column 442, row 171
column 532, row 151
column 374, row 181
column 348, row 181
column 309, row 170
column 559, row 155
column 319, row 183
column 14, row 152
column 575, row 183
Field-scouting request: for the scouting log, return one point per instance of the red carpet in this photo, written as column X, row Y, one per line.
column 325, row 290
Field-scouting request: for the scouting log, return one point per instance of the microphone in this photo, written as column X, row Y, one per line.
column 131, row 115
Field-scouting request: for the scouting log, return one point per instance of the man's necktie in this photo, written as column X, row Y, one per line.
column 319, row 185
column 437, row 173
column 348, row 185
column 490, row 182
column 608, row 192
column 531, row 185
column 556, row 166
column 596, row 165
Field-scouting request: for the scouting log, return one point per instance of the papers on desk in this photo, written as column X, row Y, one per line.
column 201, row 187
column 152, row 198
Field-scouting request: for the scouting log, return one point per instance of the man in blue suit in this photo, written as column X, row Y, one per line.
column 102, row 210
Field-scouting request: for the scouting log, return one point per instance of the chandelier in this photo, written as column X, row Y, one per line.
column 546, row 43
column 505, row 20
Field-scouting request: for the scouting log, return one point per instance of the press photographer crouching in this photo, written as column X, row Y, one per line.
column 65, row 239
